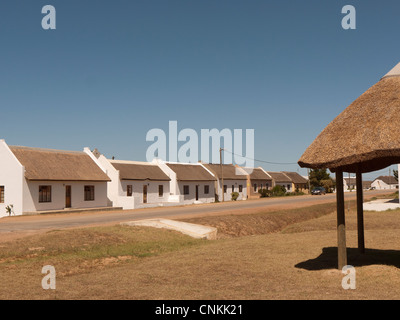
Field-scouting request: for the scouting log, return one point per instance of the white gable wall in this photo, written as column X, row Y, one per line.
column 173, row 183
column 380, row 185
column 114, row 187
column 11, row 177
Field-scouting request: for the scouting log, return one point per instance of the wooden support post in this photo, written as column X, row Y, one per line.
column 360, row 213
column 222, row 173
column 341, row 226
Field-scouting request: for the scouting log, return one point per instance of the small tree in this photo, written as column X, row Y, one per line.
column 328, row 185
column 234, row 195
column 318, row 175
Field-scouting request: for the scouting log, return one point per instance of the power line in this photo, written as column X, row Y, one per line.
column 264, row 161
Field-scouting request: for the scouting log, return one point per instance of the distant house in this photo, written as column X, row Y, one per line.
column 385, row 182
column 190, row 182
column 299, row 183
column 135, row 184
column 257, row 179
column 235, row 180
column 281, row 179
column 349, row 184
column 366, row 184
column 35, row 179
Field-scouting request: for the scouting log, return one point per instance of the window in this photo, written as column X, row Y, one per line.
column 255, row 187
column 129, row 190
column 160, row 190
column 288, row 187
column 44, row 193
column 240, row 188
column 206, row 189
column 89, row 193
column 233, row 188
column 185, row 189
column 225, row 188
column 1, row 194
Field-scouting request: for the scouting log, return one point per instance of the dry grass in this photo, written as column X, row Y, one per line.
column 262, row 223
column 294, row 259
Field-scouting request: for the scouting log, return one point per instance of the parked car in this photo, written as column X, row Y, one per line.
column 318, row 190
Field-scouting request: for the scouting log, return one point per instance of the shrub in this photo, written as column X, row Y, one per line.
column 278, row 191
column 234, row 195
column 264, row 193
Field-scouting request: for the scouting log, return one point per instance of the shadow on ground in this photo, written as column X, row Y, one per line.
column 328, row 259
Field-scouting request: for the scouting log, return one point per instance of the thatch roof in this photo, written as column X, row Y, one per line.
column 259, row 174
column 350, row 181
column 190, row 172
column 57, row 165
column 365, row 136
column 228, row 172
column 130, row 170
column 279, row 177
column 295, row 177
column 387, row 179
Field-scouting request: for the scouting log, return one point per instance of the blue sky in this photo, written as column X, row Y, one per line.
column 113, row 70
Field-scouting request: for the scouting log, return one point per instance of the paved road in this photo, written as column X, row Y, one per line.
column 53, row 221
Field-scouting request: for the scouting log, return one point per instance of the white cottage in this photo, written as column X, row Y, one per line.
column 135, row 184
column 190, row 182
column 385, row 182
column 281, row 179
column 235, row 180
column 34, row 180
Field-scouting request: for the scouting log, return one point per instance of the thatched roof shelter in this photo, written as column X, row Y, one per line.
column 364, row 137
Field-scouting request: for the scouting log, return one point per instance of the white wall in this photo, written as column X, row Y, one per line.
column 191, row 197
column 11, row 177
column 152, row 190
column 235, row 183
column 31, row 195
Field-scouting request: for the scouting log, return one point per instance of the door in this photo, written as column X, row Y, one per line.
column 68, row 196
column 145, row 193
column 197, row 193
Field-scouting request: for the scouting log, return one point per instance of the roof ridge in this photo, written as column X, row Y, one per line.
column 45, row 149
column 394, row 72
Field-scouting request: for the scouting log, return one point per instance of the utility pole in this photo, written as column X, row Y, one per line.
column 222, row 173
